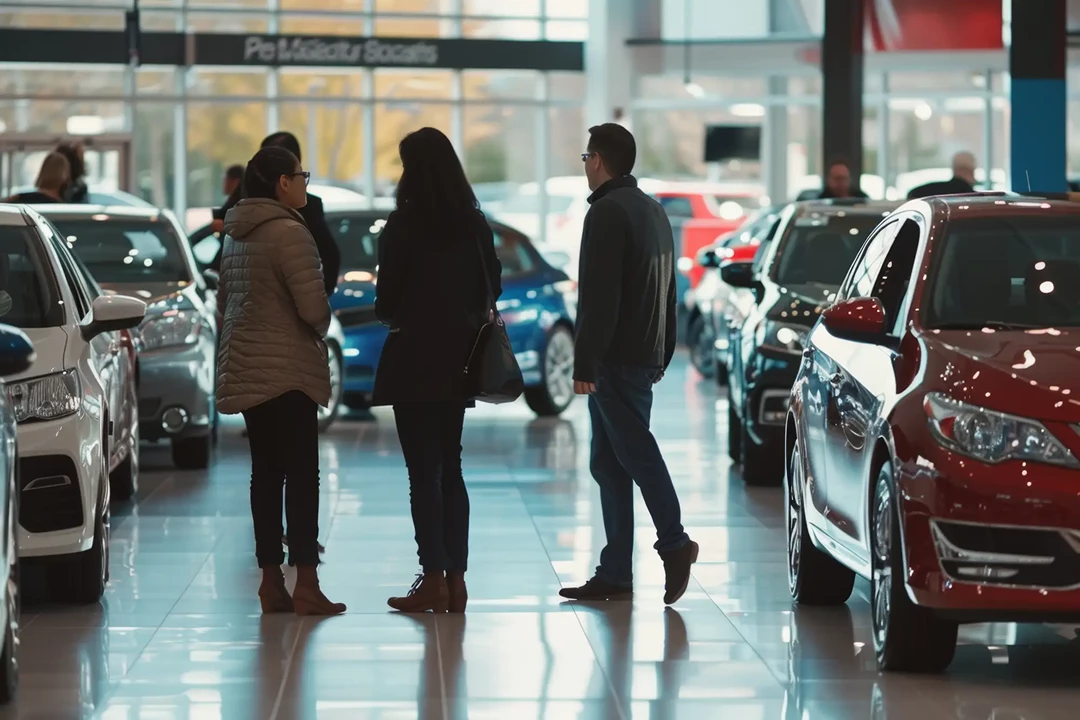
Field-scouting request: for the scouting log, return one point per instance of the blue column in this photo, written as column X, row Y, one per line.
column 1038, row 96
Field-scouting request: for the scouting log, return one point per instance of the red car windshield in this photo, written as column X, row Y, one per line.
column 1012, row 271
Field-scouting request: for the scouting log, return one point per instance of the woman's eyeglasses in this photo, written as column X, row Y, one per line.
column 306, row 175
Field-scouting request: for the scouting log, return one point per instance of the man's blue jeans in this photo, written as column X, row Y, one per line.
column 625, row 452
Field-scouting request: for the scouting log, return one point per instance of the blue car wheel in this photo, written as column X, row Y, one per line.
column 556, row 389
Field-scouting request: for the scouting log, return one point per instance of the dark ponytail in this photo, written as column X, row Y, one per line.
column 265, row 169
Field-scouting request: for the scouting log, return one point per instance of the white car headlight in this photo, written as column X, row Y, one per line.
column 782, row 338
column 176, row 327
column 45, row 398
column 991, row 436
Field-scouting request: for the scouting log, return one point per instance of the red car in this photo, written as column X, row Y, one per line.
column 933, row 436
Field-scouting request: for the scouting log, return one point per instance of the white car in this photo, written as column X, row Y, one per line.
column 64, row 402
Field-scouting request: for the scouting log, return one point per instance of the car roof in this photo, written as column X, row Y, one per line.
column 12, row 216
column 99, row 212
column 846, row 206
column 994, row 204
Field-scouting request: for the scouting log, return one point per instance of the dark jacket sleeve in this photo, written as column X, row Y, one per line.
column 671, row 324
column 391, row 276
column 315, row 217
column 600, row 273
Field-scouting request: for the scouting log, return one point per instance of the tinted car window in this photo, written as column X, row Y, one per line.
column 29, row 295
column 513, row 253
column 1022, row 270
column 677, row 208
column 819, row 249
column 357, row 237
column 127, row 250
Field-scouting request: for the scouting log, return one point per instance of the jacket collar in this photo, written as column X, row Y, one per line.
column 613, row 184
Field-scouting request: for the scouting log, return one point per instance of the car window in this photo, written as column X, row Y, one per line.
column 861, row 279
column 1017, row 269
column 677, row 208
column 127, row 250
column 357, row 237
column 819, row 249
column 74, row 281
column 29, row 294
column 883, row 271
column 513, row 252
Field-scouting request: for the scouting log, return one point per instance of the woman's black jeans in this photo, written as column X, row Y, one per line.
column 430, row 436
column 284, row 438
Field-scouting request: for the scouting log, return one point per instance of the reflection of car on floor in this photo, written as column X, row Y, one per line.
column 16, row 356
column 932, row 441
column 534, row 305
column 67, row 403
column 141, row 252
column 795, row 279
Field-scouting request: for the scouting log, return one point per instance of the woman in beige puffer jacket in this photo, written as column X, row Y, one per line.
column 272, row 367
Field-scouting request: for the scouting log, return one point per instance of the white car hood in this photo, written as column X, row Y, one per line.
column 49, row 346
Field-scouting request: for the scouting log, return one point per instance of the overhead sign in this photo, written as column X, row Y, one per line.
column 165, row 48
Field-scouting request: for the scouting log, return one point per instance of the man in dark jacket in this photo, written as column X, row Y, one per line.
column 625, row 340
column 312, row 213
column 962, row 181
column 838, row 182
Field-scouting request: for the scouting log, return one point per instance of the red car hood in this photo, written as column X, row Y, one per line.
column 1032, row 373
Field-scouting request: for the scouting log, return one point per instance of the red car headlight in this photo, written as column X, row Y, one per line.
column 991, row 436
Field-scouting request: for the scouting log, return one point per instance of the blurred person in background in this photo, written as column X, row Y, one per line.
column 432, row 292
column 272, row 368
column 838, row 182
column 624, row 342
column 76, row 191
column 232, row 186
column 962, row 181
column 51, row 183
column 314, row 216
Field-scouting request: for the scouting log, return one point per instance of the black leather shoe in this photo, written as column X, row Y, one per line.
column 677, row 571
column 598, row 590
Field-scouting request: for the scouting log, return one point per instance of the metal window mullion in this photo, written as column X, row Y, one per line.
column 367, row 87
column 180, row 131
column 988, row 128
column 457, row 114
column 542, row 155
column 884, row 131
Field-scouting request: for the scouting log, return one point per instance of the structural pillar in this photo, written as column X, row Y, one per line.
column 842, row 85
column 1037, row 94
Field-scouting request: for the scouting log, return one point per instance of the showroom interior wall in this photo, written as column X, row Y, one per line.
column 190, row 123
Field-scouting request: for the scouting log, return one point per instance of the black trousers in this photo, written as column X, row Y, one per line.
column 430, row 436
column 284, row 438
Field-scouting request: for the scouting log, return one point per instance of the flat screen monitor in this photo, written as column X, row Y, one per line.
column 732, row 142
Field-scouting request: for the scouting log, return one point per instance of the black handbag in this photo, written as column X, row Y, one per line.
column 492, row 374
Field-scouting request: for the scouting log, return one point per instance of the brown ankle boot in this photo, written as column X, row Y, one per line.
column 308, row 597
column 459, row 594
column 427, row 593
column 273, row 596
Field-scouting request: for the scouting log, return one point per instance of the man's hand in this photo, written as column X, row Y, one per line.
column 584, row 388
column 218, row 225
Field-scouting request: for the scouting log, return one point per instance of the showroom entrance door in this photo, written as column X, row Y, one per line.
column 108, row 161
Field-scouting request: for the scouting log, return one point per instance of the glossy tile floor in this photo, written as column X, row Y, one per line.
column 179, row 635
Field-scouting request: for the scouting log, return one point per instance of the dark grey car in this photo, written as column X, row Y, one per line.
column 142, row 252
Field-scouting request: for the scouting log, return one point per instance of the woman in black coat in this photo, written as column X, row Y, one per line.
column 431, row 291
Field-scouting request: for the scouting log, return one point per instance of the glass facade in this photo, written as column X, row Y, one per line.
column 186, row 125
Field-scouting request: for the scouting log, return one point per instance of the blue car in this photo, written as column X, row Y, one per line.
column 537, row 305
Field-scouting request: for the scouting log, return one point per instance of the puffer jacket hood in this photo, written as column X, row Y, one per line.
column 250, row 214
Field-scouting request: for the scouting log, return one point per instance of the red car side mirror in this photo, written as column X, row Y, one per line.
column 860, row 320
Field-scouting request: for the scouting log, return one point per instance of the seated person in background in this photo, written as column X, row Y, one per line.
column 52, row 181
column 838, row 182
column 962, row 181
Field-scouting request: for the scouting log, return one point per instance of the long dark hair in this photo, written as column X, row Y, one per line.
column 70, row 150
column 432, row 179
column 265, row 169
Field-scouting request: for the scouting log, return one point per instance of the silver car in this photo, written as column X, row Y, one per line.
column 142, row 252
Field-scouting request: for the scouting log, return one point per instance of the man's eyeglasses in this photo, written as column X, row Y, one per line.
column 586, row 155
column 306, row 175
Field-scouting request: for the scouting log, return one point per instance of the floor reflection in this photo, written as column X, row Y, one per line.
column 179, row 635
